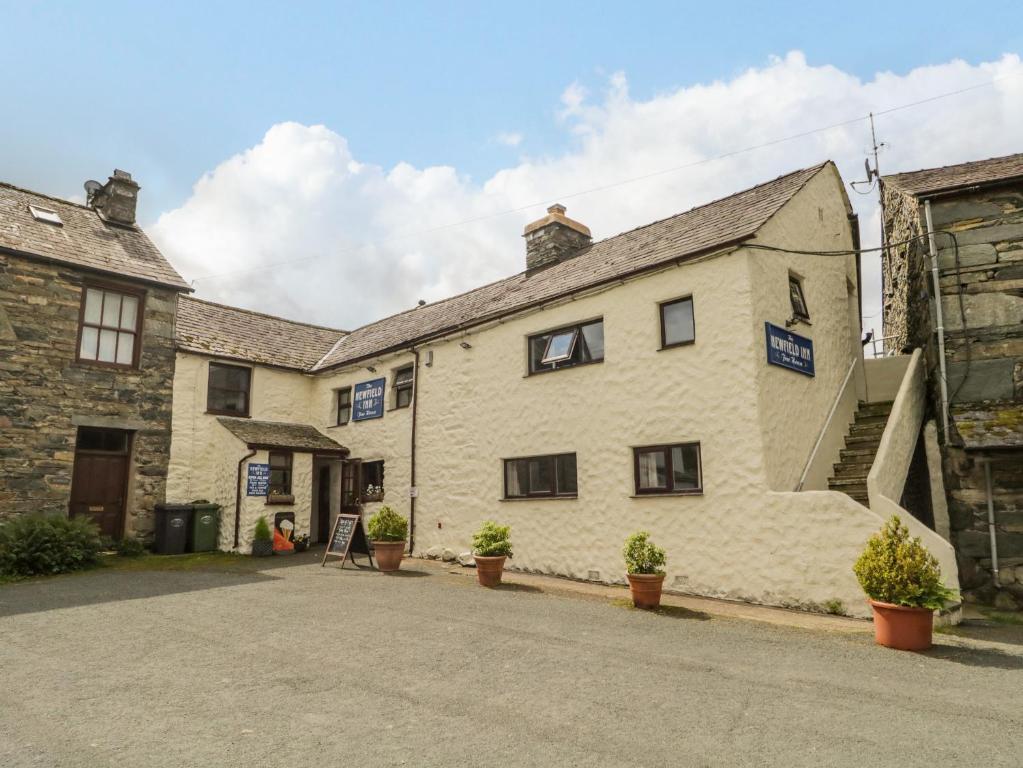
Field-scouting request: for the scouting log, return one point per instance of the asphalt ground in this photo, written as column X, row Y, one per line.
column 298, row 665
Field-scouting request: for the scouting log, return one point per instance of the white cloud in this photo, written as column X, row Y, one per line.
column 363, row 241
column 509, row 138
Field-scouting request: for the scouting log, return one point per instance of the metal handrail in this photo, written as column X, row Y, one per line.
column 827, row 423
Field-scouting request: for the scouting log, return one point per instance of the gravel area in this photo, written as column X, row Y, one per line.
column 298, row 665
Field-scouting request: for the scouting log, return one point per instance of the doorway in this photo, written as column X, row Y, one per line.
column 351, row 486
column 99, row 481
column 323, row 504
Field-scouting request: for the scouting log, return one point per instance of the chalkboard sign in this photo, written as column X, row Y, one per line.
column 347, row 538
column 259, row 480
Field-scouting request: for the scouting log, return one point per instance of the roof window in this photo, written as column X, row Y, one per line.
column 45, row 215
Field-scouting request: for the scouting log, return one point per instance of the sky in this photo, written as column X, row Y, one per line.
column 337, row 162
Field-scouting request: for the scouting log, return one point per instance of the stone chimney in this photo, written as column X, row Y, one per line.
column 554, row 238
column 115, row 201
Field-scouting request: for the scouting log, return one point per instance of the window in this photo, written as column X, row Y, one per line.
column 45, row 214
column 280, row 473
column 566, row 347
column 372, row 480
column 797, row 298
column 539, row 476
column 344, row 406
column 677, row 324
column 109, row 327
column 402, row 387
column 98, row 439
column 228, row 389
column 668, row 469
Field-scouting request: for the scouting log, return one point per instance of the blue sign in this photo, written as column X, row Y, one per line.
column 789, row 350
column 259, row 480
column 368, row 400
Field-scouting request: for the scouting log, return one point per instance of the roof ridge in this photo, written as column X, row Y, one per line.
column 266, row 315
column 54, row 198
column 953, row 165
column 592, row 245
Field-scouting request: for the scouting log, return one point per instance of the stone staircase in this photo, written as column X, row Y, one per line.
column 860, row 448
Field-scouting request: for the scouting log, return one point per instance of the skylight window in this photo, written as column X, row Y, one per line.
column 46, row 215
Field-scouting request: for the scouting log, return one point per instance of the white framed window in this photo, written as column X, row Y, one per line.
column 798, row 298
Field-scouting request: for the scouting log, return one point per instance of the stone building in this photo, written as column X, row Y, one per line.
column 698, row 377
column 87, row 308
column 973, row 337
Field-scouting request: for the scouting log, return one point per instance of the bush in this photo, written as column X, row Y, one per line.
column 897, row 569
column 641, row 555
column 262, row 532
column 130, row 547
column 492, row 540
column 32, row 545
column 387, row 525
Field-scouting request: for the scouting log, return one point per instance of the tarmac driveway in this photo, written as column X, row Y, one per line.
column 307, row 666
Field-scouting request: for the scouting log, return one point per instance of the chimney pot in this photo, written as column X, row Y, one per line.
column 116, row 200
column 554, row 238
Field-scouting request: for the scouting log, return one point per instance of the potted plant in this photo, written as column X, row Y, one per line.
column 491, row 546
column 903, row 585
column 301, row 542
column 262, row 539
column 644, row 567
column 388, row 531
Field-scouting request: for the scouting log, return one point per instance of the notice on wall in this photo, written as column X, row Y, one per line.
column 368, row 400
column 789, row 350
column 259, row 480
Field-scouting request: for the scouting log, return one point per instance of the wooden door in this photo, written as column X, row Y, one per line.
column 99, row 482
column 351, row 485
column 323, row 506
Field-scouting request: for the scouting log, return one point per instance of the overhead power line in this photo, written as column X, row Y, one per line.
column 613, row 185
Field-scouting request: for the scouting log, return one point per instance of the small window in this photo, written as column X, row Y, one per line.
column 45, row 215
column 565, row 347
column 110, row 327
column 402, row 387
column 668, row 469
column 228, row 390
column 105, row 440
column 677, row 324
column 372, row 480
column 797, row 298
column 540, row 476
column 280, row 473
column 344, row 406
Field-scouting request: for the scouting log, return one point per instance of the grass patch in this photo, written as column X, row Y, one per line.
column 1003, row 617
column 195, row 561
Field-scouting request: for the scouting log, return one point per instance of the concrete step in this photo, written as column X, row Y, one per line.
column 874, row 409
column 863, row 441
column 860, row 497
column 852, row 468
column 876, row 429
column 848, row 484
column 864, row 420
column 858, row 454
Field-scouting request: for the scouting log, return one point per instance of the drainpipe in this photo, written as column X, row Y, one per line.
column 412, row 468
column 238, row 495
column 943, row 378
column 991, row 520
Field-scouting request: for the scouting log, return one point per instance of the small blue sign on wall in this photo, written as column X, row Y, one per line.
column 259, row 480
column 368, row 400
column 789, row 350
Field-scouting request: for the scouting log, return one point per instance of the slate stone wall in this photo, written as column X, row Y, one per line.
column 984, row 359
column 45, row 394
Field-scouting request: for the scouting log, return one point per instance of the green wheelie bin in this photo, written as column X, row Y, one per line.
column 202, row 533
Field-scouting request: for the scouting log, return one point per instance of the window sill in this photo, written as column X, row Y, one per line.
column 541, row 498
column 82, row 363
column 676, row 345
column 661, row 494
column 280, row 499
column 336, row 426
column 228, row 413
column 531, row 374
column 372, row 499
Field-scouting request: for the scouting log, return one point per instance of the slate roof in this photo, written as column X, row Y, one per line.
column 989, row 425
column 952, row 177
column 84, row 239
column 239, row 334
column 678, row 238
column 277, row 434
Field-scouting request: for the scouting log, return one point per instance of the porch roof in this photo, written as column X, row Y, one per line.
column 303, row 438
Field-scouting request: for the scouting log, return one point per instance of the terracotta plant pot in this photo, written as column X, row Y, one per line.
column 897, row 626
column 262, row 547
column 489, row 569
column 646, row 589
column 388, row 554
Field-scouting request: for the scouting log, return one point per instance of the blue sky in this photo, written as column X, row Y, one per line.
column 298, row 158
column 169, row 90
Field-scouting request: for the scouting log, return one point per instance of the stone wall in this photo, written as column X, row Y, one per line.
column 982, row 307
column 45, row 394
column 907, row 323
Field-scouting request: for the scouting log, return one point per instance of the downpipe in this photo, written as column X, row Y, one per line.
column 991, row 519
column 939, row 321
column 238, row 495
